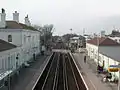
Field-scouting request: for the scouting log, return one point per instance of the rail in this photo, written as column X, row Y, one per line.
column 79, row 71
column 42, row 70
column 61, row 73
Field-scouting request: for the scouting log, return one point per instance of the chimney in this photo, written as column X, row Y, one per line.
column 3, row 19
column 27, row 22
column 16, row 16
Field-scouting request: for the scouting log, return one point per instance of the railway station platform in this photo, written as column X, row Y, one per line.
column 29, row 75
column 92, row 79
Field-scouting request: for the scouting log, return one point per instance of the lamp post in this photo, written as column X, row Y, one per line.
column 8, row 82
column 69, row 38
column 98, row 47
column 119, row 79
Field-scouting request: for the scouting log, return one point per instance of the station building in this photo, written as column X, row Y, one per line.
column 19, row 43
column 104, row 51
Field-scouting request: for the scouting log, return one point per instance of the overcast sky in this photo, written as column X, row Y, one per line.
column 93, row 15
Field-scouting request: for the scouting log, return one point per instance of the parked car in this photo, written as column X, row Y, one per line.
column 26, row 64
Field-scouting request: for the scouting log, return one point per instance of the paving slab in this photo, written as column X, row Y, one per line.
column 28, row 78
column 92, row 79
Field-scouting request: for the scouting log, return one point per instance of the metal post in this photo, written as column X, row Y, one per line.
column 70, row 37
column 44, row 36
column 8, row 82
column 98, row 48
column 119, row 81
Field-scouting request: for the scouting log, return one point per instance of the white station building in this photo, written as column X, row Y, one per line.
column 23, row 40
column 106, row 50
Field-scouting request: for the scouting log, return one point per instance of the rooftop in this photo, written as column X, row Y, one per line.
column 103, row 41
column 5, row 45
column 75, row 38
column 16, row 25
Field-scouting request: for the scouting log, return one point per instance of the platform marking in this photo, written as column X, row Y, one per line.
column 79, row 72
column 93, row 85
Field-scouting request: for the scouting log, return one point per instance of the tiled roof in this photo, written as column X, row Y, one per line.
column 5, row 45
column 103, row 41
column 15, row 25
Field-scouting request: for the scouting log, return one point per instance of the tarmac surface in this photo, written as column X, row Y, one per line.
column 29, row 75
column 88, row 70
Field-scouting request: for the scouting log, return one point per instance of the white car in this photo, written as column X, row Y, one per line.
column 26, row 64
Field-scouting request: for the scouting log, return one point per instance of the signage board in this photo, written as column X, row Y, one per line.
column 114, row 68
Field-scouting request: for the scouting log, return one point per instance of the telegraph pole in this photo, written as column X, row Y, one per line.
column 83, row 31
column 70, row 35
column 71, row 31
column 98, row 47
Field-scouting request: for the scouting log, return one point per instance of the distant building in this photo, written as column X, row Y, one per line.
column 102, row 34
column 74, row 42
column 115, row 33
column 78, row 42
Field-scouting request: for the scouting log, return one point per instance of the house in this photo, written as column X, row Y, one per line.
column 74, row 42
column 22, row 35
column 104, row 51
column 9, row 59
column 8, row 53
column 79, row 41
column 19, row 43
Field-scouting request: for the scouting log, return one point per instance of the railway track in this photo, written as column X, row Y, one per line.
column 60, row 74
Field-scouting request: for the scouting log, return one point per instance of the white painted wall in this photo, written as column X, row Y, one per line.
column 31, row 43
column 92, row 51
column 16, row 36
column 8, row 59
column 2, row 20
column 16, row 16
column 27, row 46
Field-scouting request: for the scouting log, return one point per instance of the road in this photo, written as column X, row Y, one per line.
column 93, row 82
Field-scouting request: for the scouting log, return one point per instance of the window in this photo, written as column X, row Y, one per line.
column 9, row 38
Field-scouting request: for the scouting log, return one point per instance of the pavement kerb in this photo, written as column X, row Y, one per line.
column 48, row 58
column 79, row 71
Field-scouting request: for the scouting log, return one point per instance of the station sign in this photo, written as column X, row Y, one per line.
column 114, row 68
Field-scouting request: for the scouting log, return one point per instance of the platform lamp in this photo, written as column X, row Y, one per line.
column 119, row 78
column 98, row 47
